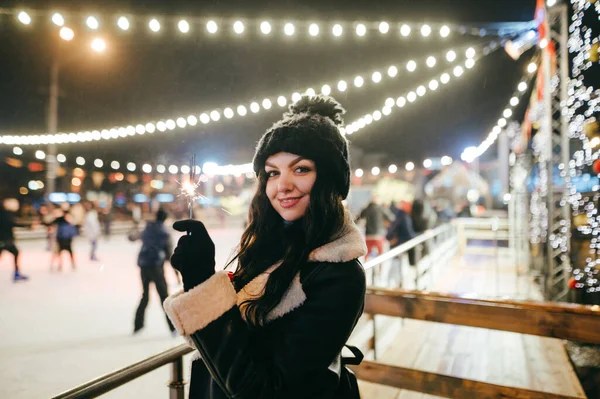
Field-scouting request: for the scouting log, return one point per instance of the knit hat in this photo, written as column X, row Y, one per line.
column 311, row 129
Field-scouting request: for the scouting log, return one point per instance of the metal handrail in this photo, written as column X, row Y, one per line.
column 115, row 379
column 407, row 246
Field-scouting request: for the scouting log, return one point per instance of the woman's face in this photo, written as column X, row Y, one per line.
column 290, row 178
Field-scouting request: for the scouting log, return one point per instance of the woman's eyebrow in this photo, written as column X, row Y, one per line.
column 295, row 161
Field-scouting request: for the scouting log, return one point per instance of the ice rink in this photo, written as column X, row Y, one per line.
column 62, row 329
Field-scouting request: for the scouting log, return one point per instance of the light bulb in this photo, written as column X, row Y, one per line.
column 154, row 25
column 409, row 166
column 215, row 115
column 358, row 173
column 92, row 23
column 431, row 61
column 337, row 30
column 405, row 30
column 212, row 27
column 184, row 26
column 123, row 23
column 444, row 31
column 228, row 113
column 425, row 30
column 358, row 81
column 401, row 102
column 58, row 19
column 392, row 71
column 313, row 29
column 384, row 27
column 266, row 103
column 241, row 110
column 376, row 77
column 342, row 85
column 451, row 56
column 361, row 29
column 254, row 107
column 238, row 27
column 265, row 27
column 289, row 29
column 326, row 90
column 282, row 101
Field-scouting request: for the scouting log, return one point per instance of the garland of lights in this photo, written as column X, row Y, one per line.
column 238, row 27
column 472, row 153
column 238, row 170
column 412, row 96
column 215, row 115
column 584, row 105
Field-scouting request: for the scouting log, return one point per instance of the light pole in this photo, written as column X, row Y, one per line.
column 98, row 45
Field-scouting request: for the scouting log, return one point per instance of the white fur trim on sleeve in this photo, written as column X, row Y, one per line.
column 193, row 310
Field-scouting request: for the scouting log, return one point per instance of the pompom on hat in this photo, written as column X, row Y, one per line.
column 311, row 129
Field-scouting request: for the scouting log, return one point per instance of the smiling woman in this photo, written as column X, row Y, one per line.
column 290, row 179
column 276, row 328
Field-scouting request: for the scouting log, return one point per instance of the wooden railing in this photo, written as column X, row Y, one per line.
column 565, row 321
column 556, row 320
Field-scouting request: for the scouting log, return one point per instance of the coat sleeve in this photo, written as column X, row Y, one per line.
column 295, row 363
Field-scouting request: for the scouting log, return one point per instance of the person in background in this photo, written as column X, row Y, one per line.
column 376, row 217
column 417, row 216
column 402, row 229
column 106, row 219
column 7, row 238
column 65, row 232
column 92, row 229
column 136, row 215
column 156, row 249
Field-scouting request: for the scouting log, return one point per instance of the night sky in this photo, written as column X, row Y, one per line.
column 145, row 76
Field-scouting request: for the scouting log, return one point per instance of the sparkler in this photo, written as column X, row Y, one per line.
column 189, row 188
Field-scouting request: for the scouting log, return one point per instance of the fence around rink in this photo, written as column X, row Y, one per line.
column 556, row 320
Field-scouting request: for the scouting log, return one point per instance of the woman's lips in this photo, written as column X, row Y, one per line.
column 289, row 202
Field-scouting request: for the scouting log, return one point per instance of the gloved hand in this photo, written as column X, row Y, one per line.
column 194, row 255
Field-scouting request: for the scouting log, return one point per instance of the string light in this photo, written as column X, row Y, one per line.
column 289, row 29
column 361, row 29
column 405, row 30
column 401, row 101
column 24, row 18
column 451, row 56
column 384, row 27
column 444, row 31
column 58, row 19
column 212, row 27
column 154, row 25
column 392, row 168
column 358, row 173
column 431, row 61
column 410, row 166
column 238, row 27
column 92, row 23
column 204, row 118
column 265, row 27
column 313, row 29
column 66, row 33
column 123, row 23
column 470, row 154
column 337, row 30
column 425, row 30
column 183, row 26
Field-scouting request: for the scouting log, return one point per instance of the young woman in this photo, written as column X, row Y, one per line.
column 277, row 326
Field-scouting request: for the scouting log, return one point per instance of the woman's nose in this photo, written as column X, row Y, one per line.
column 285, row 183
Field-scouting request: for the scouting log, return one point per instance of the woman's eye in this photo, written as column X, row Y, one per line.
column 302, row 169
column 272, row 173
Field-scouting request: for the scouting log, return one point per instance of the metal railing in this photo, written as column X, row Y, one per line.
column 440, row 242
column 113, row 380
column 438, row 238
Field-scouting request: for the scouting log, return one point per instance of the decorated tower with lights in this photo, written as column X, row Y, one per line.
column 584, row 132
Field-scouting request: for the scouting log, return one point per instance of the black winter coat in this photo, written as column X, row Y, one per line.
column 297, row 354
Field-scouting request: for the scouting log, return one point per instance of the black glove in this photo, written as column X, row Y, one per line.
column 194, row 255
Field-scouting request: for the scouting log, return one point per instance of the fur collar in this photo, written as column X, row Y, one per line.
column 347, row 246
